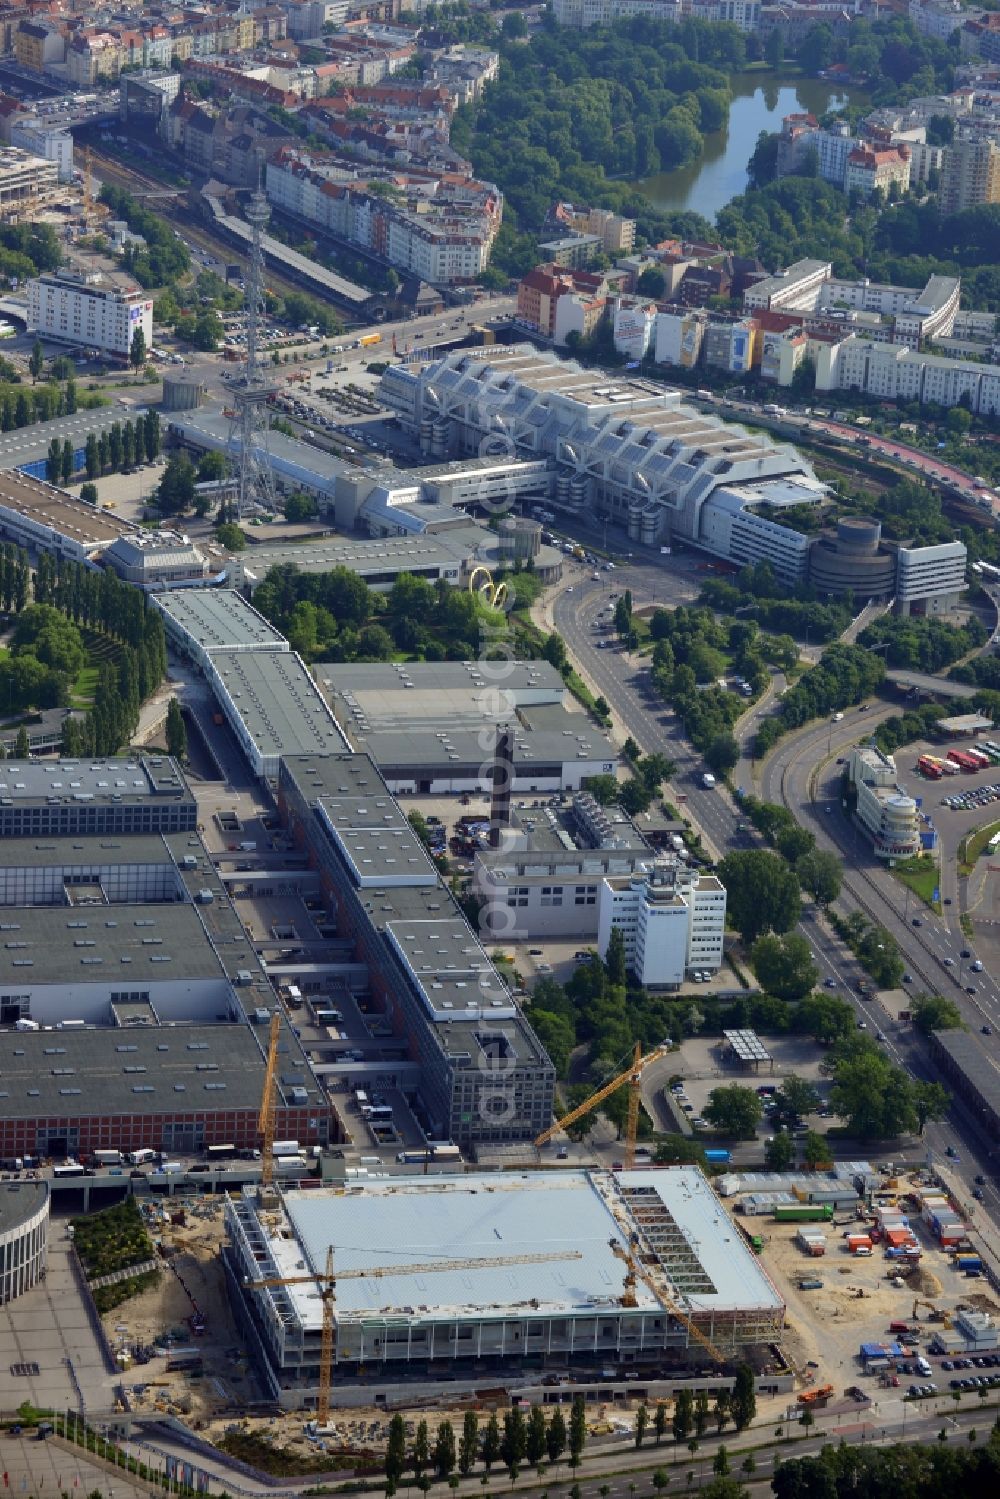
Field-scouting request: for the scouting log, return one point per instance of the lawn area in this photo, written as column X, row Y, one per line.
column 920, row 876
column 973, row 844
column 81, row 693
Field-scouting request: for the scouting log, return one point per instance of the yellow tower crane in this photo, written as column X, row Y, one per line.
column 633, row 1076
column 265, row 1119
column 636, row 1270
column 327, row 1282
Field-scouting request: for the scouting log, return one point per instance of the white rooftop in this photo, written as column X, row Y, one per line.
column 417, row 1220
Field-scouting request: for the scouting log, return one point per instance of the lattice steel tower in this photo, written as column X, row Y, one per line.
column 248, row 432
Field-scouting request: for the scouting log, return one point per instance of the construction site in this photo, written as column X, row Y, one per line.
column 495, row 1277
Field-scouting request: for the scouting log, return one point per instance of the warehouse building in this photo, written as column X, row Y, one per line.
column 127, row 794
column 462, row 1309
column 42, row 518
column 429, row 726
column 201, row 621
column 484, row 1076
column 273, row 707
column 621, row 447
column 134, row 1009
column 24, row 1236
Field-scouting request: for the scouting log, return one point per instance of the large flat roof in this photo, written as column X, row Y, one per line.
column 218, row 619
column 376, row 841
column 698, row 1256
column 139, row 1070
column 25, row 445
column 61, row 512
column 141, row 944
column 280, row 705
column 119, row 779
column 395, row 554
column 71, row 852
column 19, row 1201
column 471, row 1217
column 387, row 696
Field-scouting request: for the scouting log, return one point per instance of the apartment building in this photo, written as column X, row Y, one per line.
column 672, row 924
column 85, row 312
column 871, row 170
column 893, row 372
column 584, row 13
column 439, row 228
column 896, row 314
column 970, row 174
column 939, row 18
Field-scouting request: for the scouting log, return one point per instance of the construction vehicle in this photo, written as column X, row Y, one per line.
column 817, row 1396
column 936, row 1315
column 636, row 1270
column 327, row 1283
column 265, row 1120
column 633, row 1077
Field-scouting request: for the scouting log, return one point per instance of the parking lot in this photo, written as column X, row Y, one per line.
column 703, row 1065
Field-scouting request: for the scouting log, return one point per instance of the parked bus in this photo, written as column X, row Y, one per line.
column 929, row 769
column 221, row 1152
column 67, row 1168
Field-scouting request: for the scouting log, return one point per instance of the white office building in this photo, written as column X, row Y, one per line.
column 50, row 143
column 88, row 313
column 930, row 579
column 884, row 810
column 672, row 925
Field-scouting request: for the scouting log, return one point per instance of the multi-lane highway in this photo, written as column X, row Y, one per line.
column 581, row 614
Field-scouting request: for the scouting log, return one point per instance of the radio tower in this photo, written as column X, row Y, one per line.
column 248, row 444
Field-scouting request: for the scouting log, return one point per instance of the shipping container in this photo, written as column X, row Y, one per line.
column 285, row 1147
column 717, row 1157
column 107, row 1157
column 969, row 1262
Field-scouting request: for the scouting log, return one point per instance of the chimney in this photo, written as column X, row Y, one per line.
column 503, row 780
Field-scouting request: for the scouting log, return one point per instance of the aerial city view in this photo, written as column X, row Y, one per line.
column 500, row 748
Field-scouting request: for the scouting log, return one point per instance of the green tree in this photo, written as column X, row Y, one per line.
column 300, row 507
column 660, row 1421
column 743, row 1402
column 36, row 360
column 555, row 1437
column 820, row 873
column 175, row 491
column 641, row 1423
column 794, row 1099
column 701, row 1413
column 682, row 1422
column 721, row 1411
column 816, row 1151
column 22, row 748
column 88, row 494
column 491, row 1442
column 784, row 965
column 395, row 1457
column 53, row 461
column 468, row 1446
column 421, row 1456
column 734, row 1110
column 722, row 753
column 514, row 1441
column 720, row 1463
column 774, row 48
column 762, row 892
column 176, row 731
column 779, row 1151
column 651, row 283
column 577, row 1429
column 231, row 537
column 614, row 958
column 137, row 349
column 67, row 464
column 535, row 1447
column 932, row 1012
column 70, row 398
column 444, row 1449
column 90, row 457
